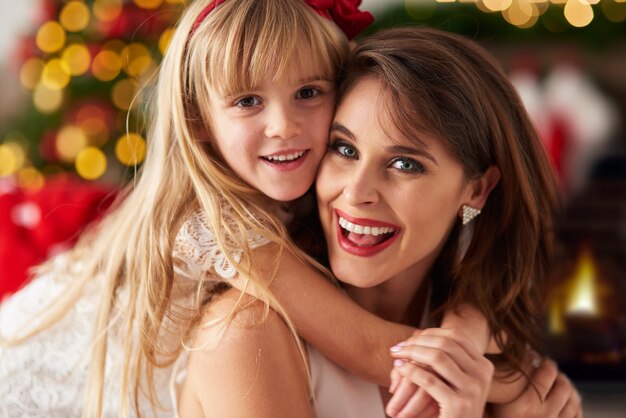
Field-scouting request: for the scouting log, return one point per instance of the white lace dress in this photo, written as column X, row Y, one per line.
column 46, row 375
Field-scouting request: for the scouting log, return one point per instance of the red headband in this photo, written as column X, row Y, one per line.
column 345, row 14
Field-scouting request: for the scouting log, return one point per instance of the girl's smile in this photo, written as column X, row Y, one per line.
column 275, row 135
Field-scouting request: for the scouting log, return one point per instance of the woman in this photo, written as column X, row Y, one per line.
column 436, row 183
column 427, row 131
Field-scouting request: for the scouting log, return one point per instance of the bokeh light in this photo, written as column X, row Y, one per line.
column 47, row 100
column 106, row 65
column 30, row 179
column 107, row 10
column 123, row 93
column 148, row 4
column 521, row 13
column 496, row 5
column 77, row 59
column 12, row 158
column 136, row 59
column 74, row 16
column 130, row 149
column 165, row 39
column 91, row 163
column 50, row 37
column 71, row 140
column 578, row 13
column 55, row 75
column 615, row 11
column 30, row 73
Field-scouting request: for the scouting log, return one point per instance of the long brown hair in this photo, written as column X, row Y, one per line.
column 449, row 86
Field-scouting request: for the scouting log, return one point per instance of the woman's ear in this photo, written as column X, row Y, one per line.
column 481, row 187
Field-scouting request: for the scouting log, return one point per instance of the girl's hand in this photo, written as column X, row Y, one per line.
column 409, row 400
column 449, row 368
column 554, row 397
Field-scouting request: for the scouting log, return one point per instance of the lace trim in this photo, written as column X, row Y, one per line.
column 196, row 251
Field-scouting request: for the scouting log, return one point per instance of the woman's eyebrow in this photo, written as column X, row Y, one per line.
column 338, row 127
column 400, row 149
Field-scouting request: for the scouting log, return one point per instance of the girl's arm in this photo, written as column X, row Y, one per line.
column 247, row 367
column 339, row 328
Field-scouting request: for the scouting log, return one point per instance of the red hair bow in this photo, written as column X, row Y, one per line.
column 345, row 14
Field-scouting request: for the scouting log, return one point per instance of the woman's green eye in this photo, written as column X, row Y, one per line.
column 407, row 164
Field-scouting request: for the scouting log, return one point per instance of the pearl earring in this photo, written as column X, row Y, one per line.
column 469, row 213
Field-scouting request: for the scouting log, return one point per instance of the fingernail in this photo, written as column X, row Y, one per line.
column 397, row 363
column 397, row 347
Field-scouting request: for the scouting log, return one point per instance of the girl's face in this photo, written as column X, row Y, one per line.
column 386, row 203
column 275, row 135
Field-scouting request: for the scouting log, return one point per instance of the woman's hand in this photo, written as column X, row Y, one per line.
column 448, row 367
column 554, row 397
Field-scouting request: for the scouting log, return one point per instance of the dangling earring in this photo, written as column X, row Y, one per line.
column 469, row 213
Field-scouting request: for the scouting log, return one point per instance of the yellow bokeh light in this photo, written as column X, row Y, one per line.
column 55, row 75
column 165, row 39
column 123, row 93
column 74, row 16
column 130, row 149
column 12, row 158
column 106, row 65
column 148, row 4
column 50, row 37
column 578, row 13
column 47, row 100
column 30, row 179
column 521, row 13
column 76, row 59
column 136, row 59
column 71, row 140
column 107, row 10
column 91, row 163
column 615, row 11
column 497, row 5
column 183, row 1
column 31, row 71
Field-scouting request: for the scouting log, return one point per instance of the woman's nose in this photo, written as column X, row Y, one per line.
column 361, row 188
column 282, row 123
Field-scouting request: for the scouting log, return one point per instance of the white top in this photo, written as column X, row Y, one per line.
column 340, row 394
column 46, row 375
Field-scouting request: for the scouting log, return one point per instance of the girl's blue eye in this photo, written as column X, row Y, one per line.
column 308, row 93
column 345, row 150
column 248, row 101
column 407, row 165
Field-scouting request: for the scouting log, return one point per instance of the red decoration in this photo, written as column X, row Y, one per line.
column 38, row 225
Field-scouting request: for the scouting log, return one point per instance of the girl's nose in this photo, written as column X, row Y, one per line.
column 282, row 123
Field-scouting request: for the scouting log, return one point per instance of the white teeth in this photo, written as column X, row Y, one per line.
column 364, row 230
column 285, row 157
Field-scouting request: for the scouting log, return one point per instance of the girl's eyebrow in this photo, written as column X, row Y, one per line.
column 314, row 78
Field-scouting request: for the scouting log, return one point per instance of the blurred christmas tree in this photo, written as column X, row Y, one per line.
column 85, row 64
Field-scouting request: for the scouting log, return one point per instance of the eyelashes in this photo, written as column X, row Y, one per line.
column 401, row 164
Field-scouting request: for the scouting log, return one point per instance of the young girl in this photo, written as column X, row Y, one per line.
column 244, row 100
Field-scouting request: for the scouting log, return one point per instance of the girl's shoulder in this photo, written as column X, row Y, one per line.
column 241, row 349
column 198, row 253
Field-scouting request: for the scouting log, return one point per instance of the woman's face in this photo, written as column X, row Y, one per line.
column 386, row 203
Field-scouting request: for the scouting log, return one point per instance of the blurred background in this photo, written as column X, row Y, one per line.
column 72, row 131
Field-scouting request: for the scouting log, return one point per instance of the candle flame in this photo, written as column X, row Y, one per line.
column 583, row 288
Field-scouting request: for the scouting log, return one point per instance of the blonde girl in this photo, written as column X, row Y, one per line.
column 244, row 99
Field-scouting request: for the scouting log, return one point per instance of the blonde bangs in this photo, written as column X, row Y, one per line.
column 233, row 54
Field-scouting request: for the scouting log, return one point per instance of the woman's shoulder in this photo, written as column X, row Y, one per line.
column 243, row 349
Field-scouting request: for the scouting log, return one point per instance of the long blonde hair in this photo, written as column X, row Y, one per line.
column 131, row 249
